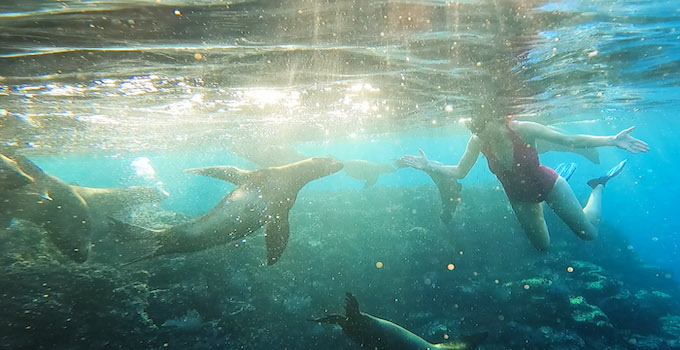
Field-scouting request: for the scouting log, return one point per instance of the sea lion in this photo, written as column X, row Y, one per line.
column 262, row 198
column 11, row 176
column 372, row 332
column 365, row 170
column 68, row 213
column 49, row 202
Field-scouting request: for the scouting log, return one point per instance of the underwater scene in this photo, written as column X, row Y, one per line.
column 339, row 174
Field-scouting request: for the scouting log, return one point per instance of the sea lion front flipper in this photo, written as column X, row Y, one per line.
column 351, row 306
column 228, row 173
column 371, row 180
column 276, row 238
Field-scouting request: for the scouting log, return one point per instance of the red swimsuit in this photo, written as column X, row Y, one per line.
column 527, row 180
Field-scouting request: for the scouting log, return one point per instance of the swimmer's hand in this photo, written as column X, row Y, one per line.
column 629, row 143
column 417, row 162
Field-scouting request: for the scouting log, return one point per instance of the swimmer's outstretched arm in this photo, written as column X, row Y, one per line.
column 622, row 140
column 435, row 168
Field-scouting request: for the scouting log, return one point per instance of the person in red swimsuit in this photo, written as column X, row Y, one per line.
column 510, row 149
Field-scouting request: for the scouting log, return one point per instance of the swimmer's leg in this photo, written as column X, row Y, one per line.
column 530, row 216
column 583, row 221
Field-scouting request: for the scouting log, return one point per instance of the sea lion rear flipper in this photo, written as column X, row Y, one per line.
column 127, row 231
column 146, row 240
column 467, row 342
column 229, row 173
column 276, row 238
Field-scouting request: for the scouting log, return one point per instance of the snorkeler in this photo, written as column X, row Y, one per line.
column 509, row 147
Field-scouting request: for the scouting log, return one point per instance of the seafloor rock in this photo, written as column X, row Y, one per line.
column 52, row 305
column 524, row 337
column 589, row 319
column 593, row 281
column 385, row 245
column 640, row 311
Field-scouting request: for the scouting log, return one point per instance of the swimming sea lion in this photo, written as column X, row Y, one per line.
column 365, row 170
column 49, row 202
column 68, row 213
column 372, row 332
column 262, row 198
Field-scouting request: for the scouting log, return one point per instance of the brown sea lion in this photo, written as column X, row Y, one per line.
column 262, row 198
column 67, row 213
column 372, row 332
column 49, row 202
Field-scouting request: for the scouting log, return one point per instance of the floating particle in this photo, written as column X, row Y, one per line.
column 446, row 336
column 379, row 264
column 450, row 267
column 599, row 94
column 526, row 286
column 592, row 54
column 478, row 64
column 177, row 12
column 448, row 108
column 570, row 269
column 198, row 56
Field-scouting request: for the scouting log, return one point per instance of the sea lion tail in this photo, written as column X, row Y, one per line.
column 146, row 241
column 130, row 232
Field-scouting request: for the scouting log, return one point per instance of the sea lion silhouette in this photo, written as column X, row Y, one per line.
column 372, row 332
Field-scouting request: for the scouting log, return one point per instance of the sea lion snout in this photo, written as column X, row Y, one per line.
column 325, row 166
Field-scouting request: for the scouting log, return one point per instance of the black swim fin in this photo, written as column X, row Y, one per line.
column 602, row 180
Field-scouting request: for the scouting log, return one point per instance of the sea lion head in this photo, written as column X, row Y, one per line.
column 321, row 166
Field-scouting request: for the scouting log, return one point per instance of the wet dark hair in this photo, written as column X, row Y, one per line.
column 478, row 124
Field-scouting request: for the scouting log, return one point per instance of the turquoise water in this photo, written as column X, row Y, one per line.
column 131, row 93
